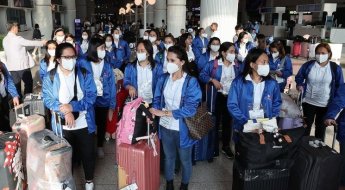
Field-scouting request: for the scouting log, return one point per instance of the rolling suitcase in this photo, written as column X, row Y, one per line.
column 36, row 105
column 9, row 157
column 317, row 166
column 138, row 164
column 49, row 164
column 296, row 49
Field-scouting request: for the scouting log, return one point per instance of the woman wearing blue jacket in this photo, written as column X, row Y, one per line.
column 220, row 73
column 254, row 94
column 161, row 57
column 83, row 44
column 106, row 89
column 48, row 62
column 177, row 96
column 114, row 56
column 243, row 46
column 7, row 91
column 141, row 76
column 210, row 54
column 71, row 92
column 200, row 43
column 337, row 106
column 319, row 81
column 121, row 44
column 280, row 64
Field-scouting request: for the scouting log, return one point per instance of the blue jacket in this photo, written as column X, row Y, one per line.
column 115, row 57
column 334, row 107
column 249, row 46
column 203, row 60
column 123, row 46
column 286, row 70
column 337, row 76
column 205, row 76
column 80, row 53
column 109, row 86
column 51, row 96
column 8, row 81
column 131, row 76
column 191, row 97
column 197, row 46
column 43, row 69
column 241, row 98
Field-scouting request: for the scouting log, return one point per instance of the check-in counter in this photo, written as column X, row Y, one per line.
column 337, row 35
column 276, row 31
column 312, row 31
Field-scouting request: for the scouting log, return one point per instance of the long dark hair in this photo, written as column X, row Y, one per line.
column 210, row 43
column 148, row 47
column 181, row 54
column 280, row 47
column 252, row 57
column 198, row 31
column 224, row 47
column 183, row 38
column 241, row 36
column 47, row 56
column 94, row 43
column 61, row 47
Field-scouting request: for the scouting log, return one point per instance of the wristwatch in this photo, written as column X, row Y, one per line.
column 166, row 113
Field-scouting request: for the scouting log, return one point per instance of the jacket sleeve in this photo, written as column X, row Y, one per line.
column 300, row 77
column 127, row 51
column 48, row 97
column 119, row 58
column 90, row 95
column 339, row 80
column 337, row 103
column 196, row 49
column 158, row 93
column 201, row 62
column 112, row 86
column 43, row 69
column 205, row 74
column 191, row 100
column 287, row 72
column 127, row 78
column 276, row 100
column 26, row 43
column 233, row 103
column 10, row 84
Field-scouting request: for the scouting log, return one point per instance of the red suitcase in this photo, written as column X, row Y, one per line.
column 296, row 50
column 121, row 96
column 138, row 164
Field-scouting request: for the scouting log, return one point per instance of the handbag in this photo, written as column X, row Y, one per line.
column 31, row 60
column 200, row 124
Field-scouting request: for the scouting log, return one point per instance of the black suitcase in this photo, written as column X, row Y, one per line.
column 259, row 179
column 317, row 167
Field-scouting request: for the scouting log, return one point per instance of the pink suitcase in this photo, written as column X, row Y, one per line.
column 139, row 165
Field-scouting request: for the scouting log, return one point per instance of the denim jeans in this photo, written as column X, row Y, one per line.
column 342, row 152
column 171, row 144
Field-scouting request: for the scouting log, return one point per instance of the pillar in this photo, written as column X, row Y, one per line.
column 82, row 9
column 90, row 10
column 3, row 24
column 160, row 12
column 42, row 15
column 176, row 16
column 262, row 18
column 150, row 14
column 69, row 14
column 300, row 17
column 280, row 18
column 223, row 12
column 28, row 21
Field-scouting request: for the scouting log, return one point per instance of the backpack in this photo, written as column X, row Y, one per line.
column 133, row 122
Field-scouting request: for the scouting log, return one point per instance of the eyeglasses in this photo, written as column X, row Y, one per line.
column 69, row 57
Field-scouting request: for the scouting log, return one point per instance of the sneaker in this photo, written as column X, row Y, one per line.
column 228, row 153
column 89, row 186
column 100, row 152
column 170, row 185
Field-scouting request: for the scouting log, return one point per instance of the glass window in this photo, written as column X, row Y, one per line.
column 16, row 15
column 4, row 2
column 23, row 3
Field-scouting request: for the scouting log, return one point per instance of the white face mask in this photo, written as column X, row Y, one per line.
column 263, row 70
column 85, row 37
column 167, row 46
column 141, row 56
column 245, row 40
column 101, row 54
column 60, row 39
column 230, row 57
column 320, row 58
column 215, row 48
column 275, row 55
column 68, row 64
column 145, row 37
column 204, row 35
column 116, row 36
column 108, row 44
column 172, row 68
column 152, row 39
column 51, row 52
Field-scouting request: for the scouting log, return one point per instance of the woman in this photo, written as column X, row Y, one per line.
column 200, row 43
column 220, row 73
column 243, row 46
column 71, row 92
column 161, row 57
column 114, row 55
column 84, row 44
column 121, row 45
column 319, row 81
column 48, row 62
column 186, row 43
column 156, row 43
column 146, row 35
column 334, row 108
column 59, row 35
column 177, row 96
column 141, row 75
column 280, row 64
column 69, row 38
column 211, row 53
column 253, row 94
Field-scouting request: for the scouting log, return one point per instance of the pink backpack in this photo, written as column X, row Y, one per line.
column 124, row 133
